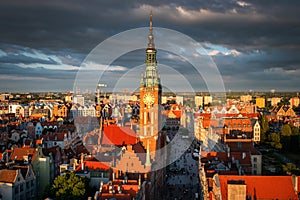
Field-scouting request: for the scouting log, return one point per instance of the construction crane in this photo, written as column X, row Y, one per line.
column 99, row 85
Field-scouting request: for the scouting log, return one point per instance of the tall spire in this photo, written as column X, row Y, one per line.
column 150, row 36
column 150, row 77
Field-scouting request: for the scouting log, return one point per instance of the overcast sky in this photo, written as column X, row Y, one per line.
column 254, row 44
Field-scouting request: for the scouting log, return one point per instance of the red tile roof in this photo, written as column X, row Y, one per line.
column 243, row 124
column 115, row 135
column 248, row 115
column 262, row 187
column 8, row 176
column 206, row 123
column 128, row 191
column 19, row 153
column 219, row 115
column 39, row 141
column 94, row 165
column 176, row 113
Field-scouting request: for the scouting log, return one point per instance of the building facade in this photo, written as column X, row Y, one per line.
column 150, row 98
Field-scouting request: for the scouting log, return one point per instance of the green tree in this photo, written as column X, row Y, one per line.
column 290, row 168
column 264, row 128
column 70, row 186
column 286, row 137
column 286, row 130
column 295, row 130
column 274, row 139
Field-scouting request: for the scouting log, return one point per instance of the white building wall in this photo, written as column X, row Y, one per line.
column 256, row 132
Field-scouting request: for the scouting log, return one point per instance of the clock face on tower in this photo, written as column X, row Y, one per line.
column 148, row 99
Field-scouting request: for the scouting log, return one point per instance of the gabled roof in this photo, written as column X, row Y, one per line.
column 8, row 176
column 24, row 170
column 262, row 187
column 115, row 135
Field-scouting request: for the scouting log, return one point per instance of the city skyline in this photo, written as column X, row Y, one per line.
column 255, row 45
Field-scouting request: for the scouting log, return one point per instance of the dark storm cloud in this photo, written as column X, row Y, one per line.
column 256, row 25
column 59, row 34
column 79, row 25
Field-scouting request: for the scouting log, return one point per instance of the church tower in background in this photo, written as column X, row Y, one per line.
column 150, row 98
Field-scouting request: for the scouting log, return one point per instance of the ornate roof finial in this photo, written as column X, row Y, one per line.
column 150, row 36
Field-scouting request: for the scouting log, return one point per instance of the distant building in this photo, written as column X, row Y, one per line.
column 68, row 98
column 255, row 155
column 284, row 111
column 38, row 130
column 179, row 100
column 53, row 139
column 260, row 102
column 17, row 109
column 18, row 183
column 275, row 101
column 207, row 100
column 43, row 166
column 246, row 98
column 97, row 172
column 78, row 99
column 254, row 187
column 294, row 102
column 4, row 97
column 38, row 113
column 85, row 124
column 164, row 99
column 115, row 98
column 60, row 111
column 199, row 101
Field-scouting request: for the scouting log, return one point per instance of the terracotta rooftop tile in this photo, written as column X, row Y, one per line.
column 262, row 187
column 8, row 176
column 115, row 135
column 19, row 153
column 94, row 165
